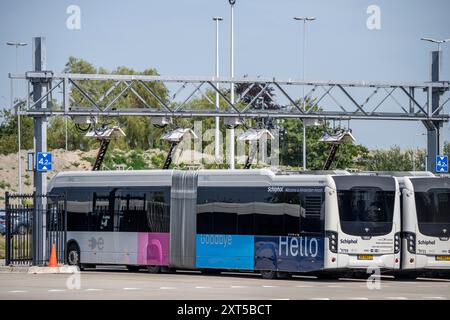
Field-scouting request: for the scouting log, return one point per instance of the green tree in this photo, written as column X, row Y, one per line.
column 8, row 132
column 395, row 159
column 347, row 156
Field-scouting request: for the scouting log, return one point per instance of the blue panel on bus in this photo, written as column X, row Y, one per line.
column 225, row 251
column 293, row 254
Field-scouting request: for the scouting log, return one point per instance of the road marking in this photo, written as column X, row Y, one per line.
column 93, row 289
column 202, row 287
column 434, row 279
column 319, row 299
column 280, row 299
column 335, row 286
column 359, row 298
column 238, row 287
column 167, row 288
column 130, row 288
column 352, row 280
column 16, row 291
column 56, row 290
column 397, row 298
column 437, row 298
column 303, row 286
column 270, row 286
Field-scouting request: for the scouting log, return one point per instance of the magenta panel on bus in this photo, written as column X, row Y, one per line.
column 153, row 249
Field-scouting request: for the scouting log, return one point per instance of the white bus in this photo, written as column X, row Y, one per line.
column 426, row 225
column 247, row 220
column 362, row 223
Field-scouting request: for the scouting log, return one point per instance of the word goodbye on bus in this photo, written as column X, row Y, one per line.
column 216, row 239
column 301, row 246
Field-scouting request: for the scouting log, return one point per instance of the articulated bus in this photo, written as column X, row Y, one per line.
column 276, row 224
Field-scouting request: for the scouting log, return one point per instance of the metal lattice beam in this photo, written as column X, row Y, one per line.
column 346, row 99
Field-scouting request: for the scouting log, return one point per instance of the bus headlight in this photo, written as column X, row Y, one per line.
column 397, row 242
column 411, row 241
column 332, row 240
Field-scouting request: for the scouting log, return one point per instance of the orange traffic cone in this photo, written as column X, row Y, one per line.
column 52, row 262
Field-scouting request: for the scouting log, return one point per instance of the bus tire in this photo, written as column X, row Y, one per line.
column 268, row 274
column 73, row 255
column 154, row 269
column 133, row 268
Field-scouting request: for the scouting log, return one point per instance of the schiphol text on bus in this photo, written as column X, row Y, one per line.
column 274, row 223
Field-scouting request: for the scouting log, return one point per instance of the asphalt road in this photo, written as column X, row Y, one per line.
column 121, row 284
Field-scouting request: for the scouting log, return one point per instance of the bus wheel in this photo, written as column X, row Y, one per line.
column 153, row 269
column 268, row 274
column 73, row 255
column 133, row 268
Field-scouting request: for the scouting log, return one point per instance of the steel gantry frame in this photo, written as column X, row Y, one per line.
column 349, row 107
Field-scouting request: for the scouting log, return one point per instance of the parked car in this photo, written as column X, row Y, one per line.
column 21, row 223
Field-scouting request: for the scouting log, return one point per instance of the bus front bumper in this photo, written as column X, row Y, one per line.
column 354, row 261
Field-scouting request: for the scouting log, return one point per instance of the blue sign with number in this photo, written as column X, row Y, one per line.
column 44, row 161
column 442, row 164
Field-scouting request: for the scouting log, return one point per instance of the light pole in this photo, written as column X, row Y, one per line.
column 415, row 149
column 231, row 141
column 304, row 19
column 438, row 42
column 217, row 132
column 19, row 160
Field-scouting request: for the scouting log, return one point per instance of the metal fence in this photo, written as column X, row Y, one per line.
column 32, row 229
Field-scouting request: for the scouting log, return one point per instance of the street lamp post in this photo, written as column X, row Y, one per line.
column 19, row 160
column 304, row 19
column 217, row 132
column 231, row 141
column 415, row 149
column 439, row 43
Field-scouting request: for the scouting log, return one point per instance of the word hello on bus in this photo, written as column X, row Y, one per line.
column 301, row 246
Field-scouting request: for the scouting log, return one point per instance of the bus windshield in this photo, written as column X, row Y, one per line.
column 433, row 212
column 366, row 211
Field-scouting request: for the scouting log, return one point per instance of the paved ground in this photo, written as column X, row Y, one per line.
column 121, row 284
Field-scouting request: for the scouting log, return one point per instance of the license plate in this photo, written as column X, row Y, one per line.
column 365, row 257
column 443, row 258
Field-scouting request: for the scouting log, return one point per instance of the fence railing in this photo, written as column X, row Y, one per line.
column 32, row 228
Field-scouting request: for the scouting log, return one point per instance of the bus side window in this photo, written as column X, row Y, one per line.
column 101, row 218
column 156, row 215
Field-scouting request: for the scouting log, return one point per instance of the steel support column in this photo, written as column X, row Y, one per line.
column 40, row 145
column 435, row 143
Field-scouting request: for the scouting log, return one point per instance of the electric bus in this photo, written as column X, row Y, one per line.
column 273, row 223
column 426, row 226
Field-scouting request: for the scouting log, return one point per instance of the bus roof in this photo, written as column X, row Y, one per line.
column 224, row 177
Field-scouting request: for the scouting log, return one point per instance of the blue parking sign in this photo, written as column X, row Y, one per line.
column 442, row 163
column 44, row 161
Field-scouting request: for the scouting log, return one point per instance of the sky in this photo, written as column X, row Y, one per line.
column 178, row 38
